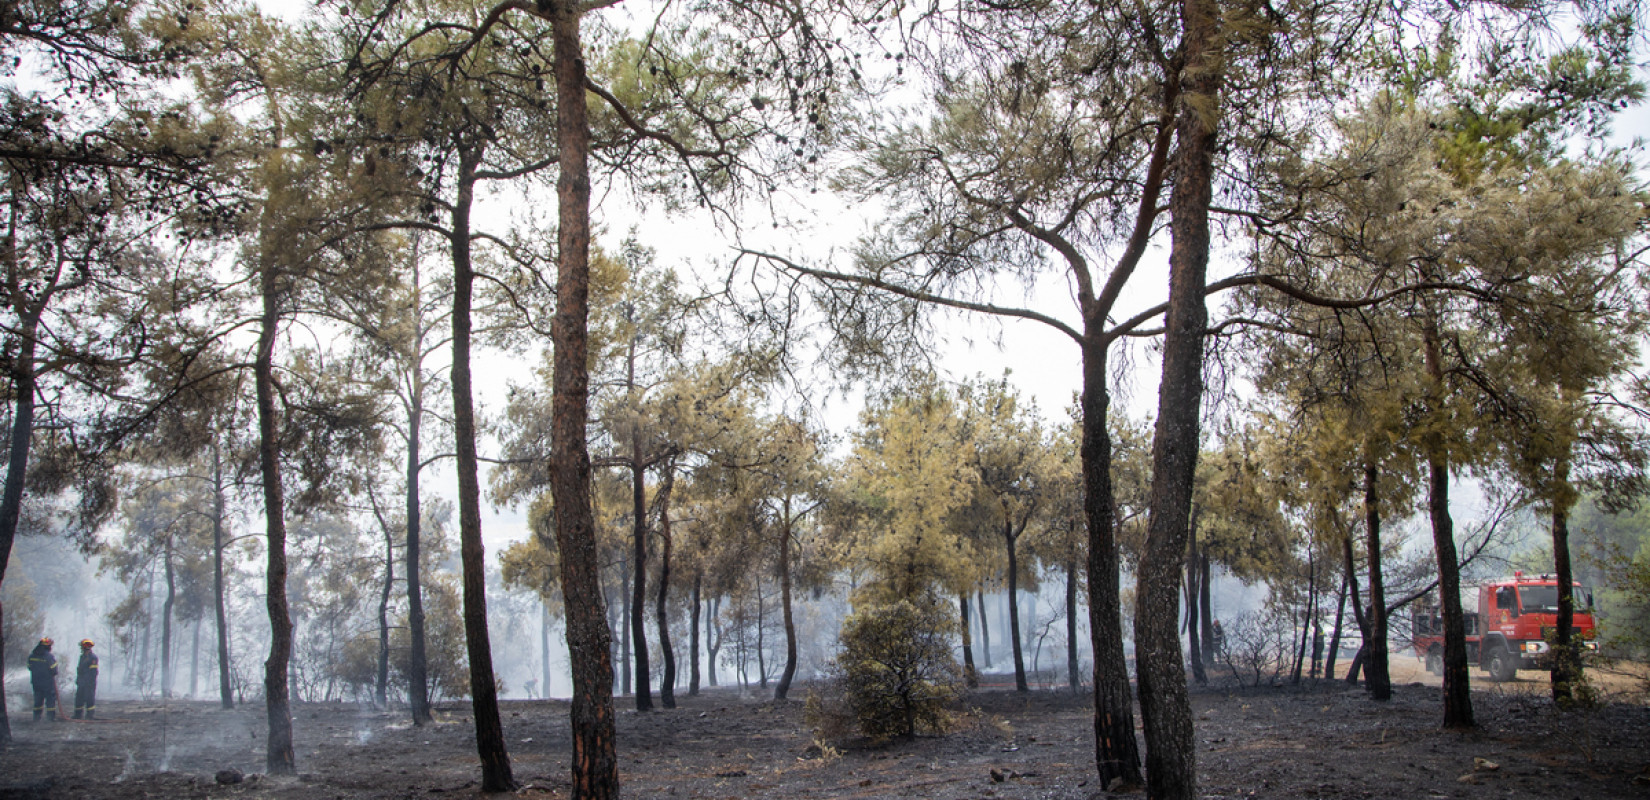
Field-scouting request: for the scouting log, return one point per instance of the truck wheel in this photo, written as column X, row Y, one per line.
column 1503, row 665
column 1435, row 660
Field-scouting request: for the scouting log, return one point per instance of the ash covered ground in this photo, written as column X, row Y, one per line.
column 1320, row 740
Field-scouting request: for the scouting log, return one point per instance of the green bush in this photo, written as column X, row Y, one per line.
column 895, row 674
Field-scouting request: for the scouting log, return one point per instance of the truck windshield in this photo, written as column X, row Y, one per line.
column 1544, row 599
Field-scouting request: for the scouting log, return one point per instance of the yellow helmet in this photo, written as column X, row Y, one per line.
column 85, row 642
column 46, row 640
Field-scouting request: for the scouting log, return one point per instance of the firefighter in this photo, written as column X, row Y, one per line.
column 43, row 674
column 85, row 682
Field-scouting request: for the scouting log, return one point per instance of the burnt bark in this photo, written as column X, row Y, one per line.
column 1010, row 540
column 667, row 672
column 418, row 683
column 693, row 635
column 1457, row 690
column 225, row 691
column 279, row 756
column 638, row 586
column 595, row 774
column 490, row 747
column 783, row 687
column 971, row 676
column 1566, row 659
column 985, row 631
column 1377, row 676
column 1073, row 678
column 1165, row 707
column 1194, row 645
column 1116, row 753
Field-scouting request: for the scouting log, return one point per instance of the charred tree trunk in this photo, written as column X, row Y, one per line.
column 1073, row 678
column 490, row 747
column 544, row 648
column 713, row 638
column 1566, row 667
column 985, row 631
column 693, row 636
column 1195, row 646
column 166, row 620
column 381, row 690
column 1010, row 539
column 638, row 576
column 1457, row 690
column 971, row 676
column 1377, row 676
column 1358, row 615
column 1165, row 706
column 279, row 758
column 595, row 773
column 1206, row 610
column 418, row 682
column 1335, row 638
column 1116, row 753
column 226, row 696
column 667, row 675
column 783, row 688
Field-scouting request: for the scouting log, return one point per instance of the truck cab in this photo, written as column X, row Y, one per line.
column 1509, row 622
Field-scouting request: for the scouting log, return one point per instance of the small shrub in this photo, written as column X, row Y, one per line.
column 894, row 676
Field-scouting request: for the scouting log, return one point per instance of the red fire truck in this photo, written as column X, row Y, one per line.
column 1509, row 622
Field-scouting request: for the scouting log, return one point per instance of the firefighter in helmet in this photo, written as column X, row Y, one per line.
column 85, row 682
column 43, row 676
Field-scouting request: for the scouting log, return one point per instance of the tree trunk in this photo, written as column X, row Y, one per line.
column 713, row 638
column 279, row 758
column 638, row 586
column 1457, row 689
column 1195, row 646
column 971, row 677
column 226, row 696
column 784, row 686
column 761, row 636
column 1009, row 537
column 490, row 747
column 667, row 675
column 1335, row 637
column 1566, row 665
column 1377, row 676
column 1206, row 606
column 595, row 774
column 194, row 658
column 985, row 631
column 418, row 684
column 544, row 649
column 381, row 691
column 1165, row 707
column 625, row 630
column 1358, row 615
column 166, row 621
column 693, row 636
column 1116, row 753
column 1073, row 679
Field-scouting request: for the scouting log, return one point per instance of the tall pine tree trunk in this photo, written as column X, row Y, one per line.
column 1457, row 689
column 1566, row 658
column 595, row 773
column 1165, row 707
column 279, row 757
column 1195, row 646
column 985, row 631
column 490, row 747
column 1073, row 678
column 1116, row 753
column 418, row 684
column 667, row 672
column 1377, row 676
column 638, row 587
column 971, row 676
column 381, row 690
column 693, row 634
column 1009, row 540
column 226, row 696
column 166, row 621
column 784, row 686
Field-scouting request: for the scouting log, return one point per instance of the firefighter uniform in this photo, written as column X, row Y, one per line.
column 43, row 676
column 85, row 682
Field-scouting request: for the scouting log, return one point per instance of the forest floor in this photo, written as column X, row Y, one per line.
column 1321, row 739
